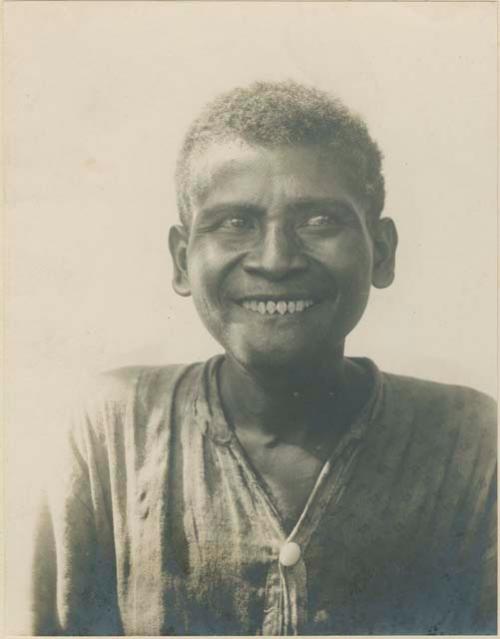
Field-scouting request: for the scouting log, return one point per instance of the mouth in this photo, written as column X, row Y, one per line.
column 277, row 306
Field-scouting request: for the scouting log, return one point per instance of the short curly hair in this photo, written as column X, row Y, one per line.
column 272, row 114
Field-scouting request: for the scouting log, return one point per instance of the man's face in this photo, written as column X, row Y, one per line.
column 279, row 258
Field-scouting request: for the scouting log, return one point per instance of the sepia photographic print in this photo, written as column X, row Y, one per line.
column 250, row 327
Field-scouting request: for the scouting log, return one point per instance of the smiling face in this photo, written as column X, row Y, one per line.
column 279, row 258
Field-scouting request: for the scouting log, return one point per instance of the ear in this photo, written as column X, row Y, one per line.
column 385, row 241
column 177, row 243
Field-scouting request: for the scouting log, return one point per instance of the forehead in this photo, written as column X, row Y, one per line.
column 237, row 171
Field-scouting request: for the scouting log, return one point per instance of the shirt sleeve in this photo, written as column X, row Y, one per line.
column 485, row 614
column 74, row 589
column 476, row 522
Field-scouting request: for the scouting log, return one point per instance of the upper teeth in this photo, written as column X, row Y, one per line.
column 282, row 307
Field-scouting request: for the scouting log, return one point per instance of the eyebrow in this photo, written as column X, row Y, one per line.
column 310, row 202
column 228, row 207
column 298, row 205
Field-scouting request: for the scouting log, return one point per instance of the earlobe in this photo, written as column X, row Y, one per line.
column 177, row 242
column 384, row 257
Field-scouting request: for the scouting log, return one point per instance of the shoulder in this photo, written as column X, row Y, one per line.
column 425, row 393
column 117, row 385
column 436, row 400
column 113, row 422
column 443, row 417
column 441, row 441
column 124, row 398
column 120, row 386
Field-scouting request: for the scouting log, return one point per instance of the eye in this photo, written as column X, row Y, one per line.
column 320, row 220
column 237, row 223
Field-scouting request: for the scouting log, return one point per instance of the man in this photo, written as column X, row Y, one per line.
column 280, row 488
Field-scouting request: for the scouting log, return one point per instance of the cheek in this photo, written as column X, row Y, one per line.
column 360, row 267
column 207, row 268
column 351, row 270
column 349, row 259
column 358, row 280
column 203, row 265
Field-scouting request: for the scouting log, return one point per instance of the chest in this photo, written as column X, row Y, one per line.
column 214, row 544
column 288, row 473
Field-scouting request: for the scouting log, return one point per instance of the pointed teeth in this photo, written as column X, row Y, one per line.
column 280, row 307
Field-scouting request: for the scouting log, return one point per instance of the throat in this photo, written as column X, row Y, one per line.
column 272, row 413
column 287, row 439
column 272, row 407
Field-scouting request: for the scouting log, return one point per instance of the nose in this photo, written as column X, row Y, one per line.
column 277, row 254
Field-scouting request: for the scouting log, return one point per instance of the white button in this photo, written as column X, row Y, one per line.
column 289, row 554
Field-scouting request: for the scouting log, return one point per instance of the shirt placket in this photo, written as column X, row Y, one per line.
column 286, row 600
column 286, row 597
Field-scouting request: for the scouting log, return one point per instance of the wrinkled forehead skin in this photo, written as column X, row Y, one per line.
column 243, row 163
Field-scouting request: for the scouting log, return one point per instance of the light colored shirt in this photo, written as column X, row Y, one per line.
column 156, row 523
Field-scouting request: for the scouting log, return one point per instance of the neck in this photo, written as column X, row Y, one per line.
column 276, row 404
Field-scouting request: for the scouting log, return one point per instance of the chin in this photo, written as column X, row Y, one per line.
column 280, row 358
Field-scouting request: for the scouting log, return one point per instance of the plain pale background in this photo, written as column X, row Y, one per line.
column 97, row 98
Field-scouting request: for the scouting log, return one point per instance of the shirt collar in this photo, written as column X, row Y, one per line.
column 209, row 415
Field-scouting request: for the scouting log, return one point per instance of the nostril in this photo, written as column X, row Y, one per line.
column 276, row 261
